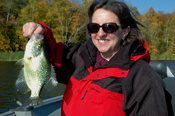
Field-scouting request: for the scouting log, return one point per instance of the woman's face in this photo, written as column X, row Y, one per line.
column 107, row 43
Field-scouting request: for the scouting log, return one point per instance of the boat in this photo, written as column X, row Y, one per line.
column 52, row 106
column 168, row 75
column 163, row 69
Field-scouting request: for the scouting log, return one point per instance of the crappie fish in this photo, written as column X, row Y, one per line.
column 37, row 71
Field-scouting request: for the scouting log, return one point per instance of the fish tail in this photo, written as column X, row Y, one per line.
column 38, row 101
column 27, row 103
column 31, row 102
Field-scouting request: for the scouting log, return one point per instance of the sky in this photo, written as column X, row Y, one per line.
column 168, row 6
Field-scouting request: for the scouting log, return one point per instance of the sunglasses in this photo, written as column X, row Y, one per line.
column 107, row 27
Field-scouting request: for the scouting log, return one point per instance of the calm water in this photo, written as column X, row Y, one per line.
column 8, row 75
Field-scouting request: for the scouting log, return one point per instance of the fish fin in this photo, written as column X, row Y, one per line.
column 52, row 82
column 20, row 83
column 20, row 62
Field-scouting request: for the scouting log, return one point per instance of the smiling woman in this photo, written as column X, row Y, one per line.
column 107, row 43
column 109, row 74
column 125, row 28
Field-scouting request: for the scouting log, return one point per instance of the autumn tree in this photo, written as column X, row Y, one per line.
column 169, row 33
column 34, row 11
column 69, row 20
column 159, row 34
column 151, row 20
column 9, row 11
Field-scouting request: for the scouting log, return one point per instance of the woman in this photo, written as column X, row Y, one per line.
column 109, row 75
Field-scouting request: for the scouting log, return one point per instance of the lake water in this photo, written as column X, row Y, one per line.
column 8, row 75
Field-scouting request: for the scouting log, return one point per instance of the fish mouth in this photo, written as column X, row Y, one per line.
column 32, row 56
column 35, row 55
column 29, row 58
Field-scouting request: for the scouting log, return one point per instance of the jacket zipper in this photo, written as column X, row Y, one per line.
column 84, row 94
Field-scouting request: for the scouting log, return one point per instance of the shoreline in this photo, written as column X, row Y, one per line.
column 15, row 56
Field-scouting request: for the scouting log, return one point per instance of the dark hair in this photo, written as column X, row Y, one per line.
column 124, row 15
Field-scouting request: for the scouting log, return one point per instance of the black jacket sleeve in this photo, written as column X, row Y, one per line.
column 69, row 62
column 144, row 92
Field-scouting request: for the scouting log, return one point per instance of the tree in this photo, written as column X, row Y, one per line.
column 9, row 12
column 173, row 13
column 150, row 19
column 35, row 11
column 159, row 33
column 69, row 20
column 12, row 7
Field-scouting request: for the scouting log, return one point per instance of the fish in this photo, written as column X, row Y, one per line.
column 37, row 71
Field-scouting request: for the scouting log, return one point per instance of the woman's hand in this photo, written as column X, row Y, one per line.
column 32, row 27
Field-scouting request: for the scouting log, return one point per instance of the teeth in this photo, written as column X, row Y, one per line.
column 102, row 41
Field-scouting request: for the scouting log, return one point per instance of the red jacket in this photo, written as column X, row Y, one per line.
column 126, row 85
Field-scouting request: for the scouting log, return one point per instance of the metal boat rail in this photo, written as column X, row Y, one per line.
column 51, row 107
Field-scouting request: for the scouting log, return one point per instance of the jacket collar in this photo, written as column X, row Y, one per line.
column 123, row 59
column 89, row 53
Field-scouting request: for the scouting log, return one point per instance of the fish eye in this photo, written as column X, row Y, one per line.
column 39, row 44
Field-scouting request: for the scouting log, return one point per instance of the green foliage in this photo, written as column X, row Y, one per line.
column 8, row 56
column 163, row 57
column 159, row 33
column 68, row 20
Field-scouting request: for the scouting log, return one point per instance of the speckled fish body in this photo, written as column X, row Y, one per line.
column 37, row 71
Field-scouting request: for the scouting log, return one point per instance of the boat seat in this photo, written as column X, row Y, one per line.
column 162, row 69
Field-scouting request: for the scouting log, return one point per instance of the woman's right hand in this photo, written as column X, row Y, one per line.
column 32, row 27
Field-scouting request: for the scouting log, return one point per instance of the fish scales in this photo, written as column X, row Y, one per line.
column 37, row 71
